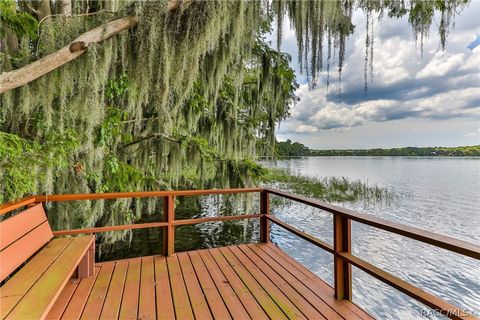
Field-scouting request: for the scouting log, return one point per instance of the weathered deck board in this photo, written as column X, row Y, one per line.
column 129, row 305
column 255, row 281
column 94, row 305
column 163, row 297
column 146, row 307
column 346, row 309
column 213, row 297
column 111, row 307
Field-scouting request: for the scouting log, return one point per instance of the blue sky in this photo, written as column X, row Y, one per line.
column 413, row 100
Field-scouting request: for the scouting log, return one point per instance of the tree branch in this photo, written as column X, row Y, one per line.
column 30, row 72
column 149, row 137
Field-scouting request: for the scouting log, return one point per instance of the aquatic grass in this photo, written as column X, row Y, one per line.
column 330, row 189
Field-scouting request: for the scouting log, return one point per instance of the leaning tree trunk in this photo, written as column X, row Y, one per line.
column 24, row 75
column 28, row 73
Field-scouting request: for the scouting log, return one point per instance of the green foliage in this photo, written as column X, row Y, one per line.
column 24, row 164
column 295, row 149
column 464, row 151
column 21, row 23
column 331, row 189
column 289, row 149
column 116, row 88
column 120, row 176
column 111, row 127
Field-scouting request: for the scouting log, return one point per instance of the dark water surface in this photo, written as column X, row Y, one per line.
column 436, row 194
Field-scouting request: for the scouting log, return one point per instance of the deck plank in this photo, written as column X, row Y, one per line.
column 268, row 303
column 61, row 304
column 146, row 307
column 181, row 301
column 129, row 306
column 283, row 270
column 282, row 301
column 254, row 281
column 232, row 301
column 195, row 293
column 13, row 291
column 213, row 297
column 113, row 300
column 77, row 303
column 165, row 309
column 345, row 308
column 249, row 301
column 93, row 308
column 37, row 302
column 291, row 290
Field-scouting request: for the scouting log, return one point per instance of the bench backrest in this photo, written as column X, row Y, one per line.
column 21, row 236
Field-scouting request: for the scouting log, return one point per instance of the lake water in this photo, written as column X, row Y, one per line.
column 436, row 194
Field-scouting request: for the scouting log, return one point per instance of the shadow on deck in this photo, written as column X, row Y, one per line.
column 254, row 281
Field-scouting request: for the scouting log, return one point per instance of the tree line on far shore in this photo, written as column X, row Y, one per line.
column 296, row 149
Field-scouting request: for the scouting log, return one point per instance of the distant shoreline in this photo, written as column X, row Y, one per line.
column 296, row 149
column 377, row 156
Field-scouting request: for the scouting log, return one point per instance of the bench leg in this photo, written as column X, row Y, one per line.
column 87, row 265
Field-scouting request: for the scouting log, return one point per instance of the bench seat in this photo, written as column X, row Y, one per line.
column 31, row 292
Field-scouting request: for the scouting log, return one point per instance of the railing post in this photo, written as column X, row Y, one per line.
column 169, row 230
column 343, row 270
column 264, row 222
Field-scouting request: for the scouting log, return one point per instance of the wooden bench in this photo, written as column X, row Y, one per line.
column 31, row 292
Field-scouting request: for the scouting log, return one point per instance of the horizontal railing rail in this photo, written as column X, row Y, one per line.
column 341, row 248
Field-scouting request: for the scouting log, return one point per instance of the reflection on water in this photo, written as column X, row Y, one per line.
column 443, row 198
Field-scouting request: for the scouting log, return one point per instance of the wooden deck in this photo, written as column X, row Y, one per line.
column 255, row 281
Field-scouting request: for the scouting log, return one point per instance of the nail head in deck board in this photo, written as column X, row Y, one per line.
column 213, row 297
column 291, row 286
column 181, row 301
column 14, row 289
column 282, row 301
column 46, row 289
column 232, row 302
column 164, row 299
column 79, row 299
column 113, row 300
column 95, row 301
column 197, row 298
column 251, row 305
column 257, row 291
column 321, row 288
column 146, row 307
column 129, row 307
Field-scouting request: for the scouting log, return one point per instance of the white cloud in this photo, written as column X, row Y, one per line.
column 407, row 86
column 440, row 65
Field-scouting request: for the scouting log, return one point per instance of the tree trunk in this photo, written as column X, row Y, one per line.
column 66, row 7
column 43, row 9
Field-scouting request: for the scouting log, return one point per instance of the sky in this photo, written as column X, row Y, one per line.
column 412, row 100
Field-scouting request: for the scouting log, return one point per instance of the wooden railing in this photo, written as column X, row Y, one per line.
column 341, row 248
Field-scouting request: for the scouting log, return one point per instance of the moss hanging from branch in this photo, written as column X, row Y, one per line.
column 320, row 23
column 180, row 101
